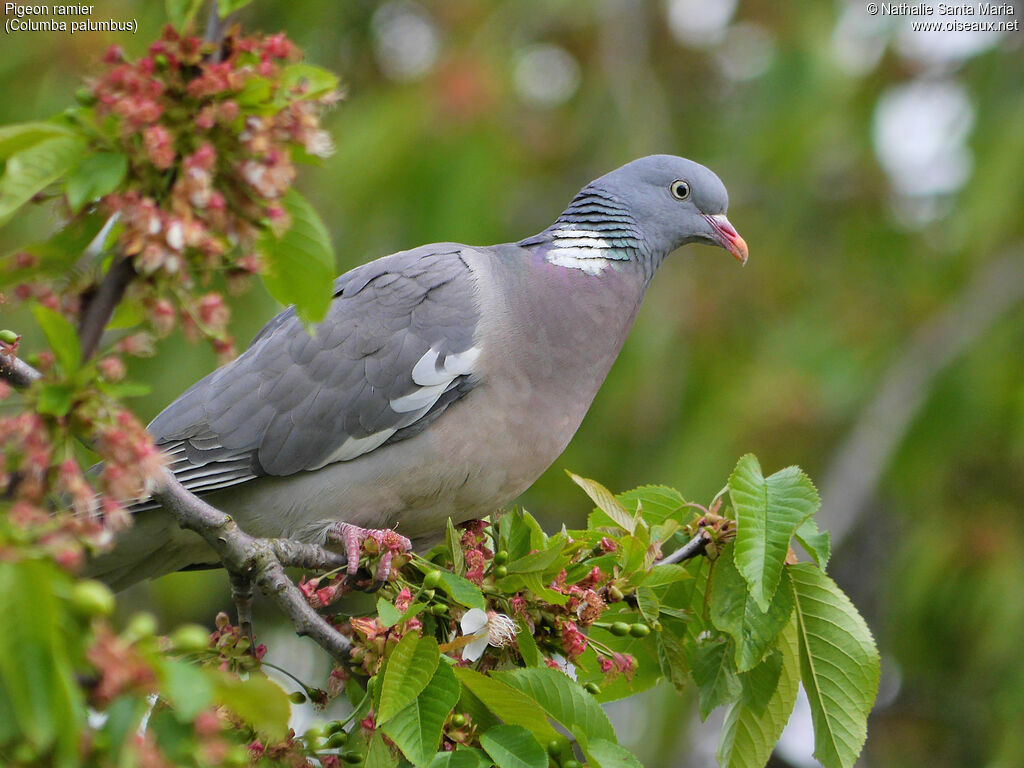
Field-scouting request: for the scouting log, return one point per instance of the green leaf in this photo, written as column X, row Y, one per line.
column 300, row 264
column 528, row 645
column 30, row 170
column 562, row 698
column 839, row 665
column 187, row 687
column 460, row 758
column 416, row 730
column 255, row 92
column 660, row 575
column 715, row 675
column 672, row 658
column 659, row 502
column 318, row 81
column 258, row 701
column 535, row 583
column 410, row 669
column 768, row 512
column 378, row 755
column 817, row 543
column 463, row 591
column 512, row 746
column 55, row 399
column 388, row 614
column 605, row 501
column 538, row 561
column 507, row 702
column 649, row 605
column 607, row 754
column 454, row 542
column 14, row 138
column 735, row 612
column 181, row 12
column 94, row 177
column 224, row 7
column 759, row 683
column 37, row 684
column 61, row 336
column 748, row 738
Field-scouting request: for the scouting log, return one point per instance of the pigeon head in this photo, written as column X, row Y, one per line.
column 673, row 201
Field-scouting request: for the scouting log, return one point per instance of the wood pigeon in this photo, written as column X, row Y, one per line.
column 443, row 381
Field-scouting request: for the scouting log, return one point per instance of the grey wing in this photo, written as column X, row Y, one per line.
column 396, row 349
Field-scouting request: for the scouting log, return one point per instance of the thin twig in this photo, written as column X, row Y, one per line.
column 690, row 549
column 100, row 307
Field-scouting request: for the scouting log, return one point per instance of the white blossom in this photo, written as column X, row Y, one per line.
column 488, row 628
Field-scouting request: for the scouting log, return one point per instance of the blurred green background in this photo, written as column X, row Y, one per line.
column 875, row 337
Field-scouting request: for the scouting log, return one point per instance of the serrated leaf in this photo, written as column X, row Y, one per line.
column 509, row 703
column 768, row 512
column 759, row 683
column 378, row 755
column 839, row 665
column 562, row 698
column 416, row 730
column 300, row 264
column 735, row 612
column 715, row 675
column 61, row 336
column 512, row 746
column 817, row 543
column 659, row 502
column 181, row 12
column 605, row 501
column 31, row 169
column 410, row 668
column 97, row 175
column 607, row 754
column 14, row 138
column 748, row 738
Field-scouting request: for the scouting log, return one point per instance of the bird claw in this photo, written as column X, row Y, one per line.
column 389, row 543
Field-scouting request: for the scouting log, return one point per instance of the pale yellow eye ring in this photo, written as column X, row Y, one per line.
column 680, row 189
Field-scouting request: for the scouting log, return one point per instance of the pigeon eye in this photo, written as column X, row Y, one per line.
column 680, row 189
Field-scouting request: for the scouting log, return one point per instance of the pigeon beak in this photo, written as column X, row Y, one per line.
column 728, row 237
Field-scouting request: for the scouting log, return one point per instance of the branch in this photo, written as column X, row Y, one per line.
column 261, row 561
column 101, row 305
column 17, row 372
column 689, row 550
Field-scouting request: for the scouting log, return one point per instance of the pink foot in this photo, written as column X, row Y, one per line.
column 352, row 537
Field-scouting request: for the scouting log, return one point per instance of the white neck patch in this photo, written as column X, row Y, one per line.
column 582, row 249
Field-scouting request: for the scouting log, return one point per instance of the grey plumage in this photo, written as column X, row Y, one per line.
column 442, row 382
